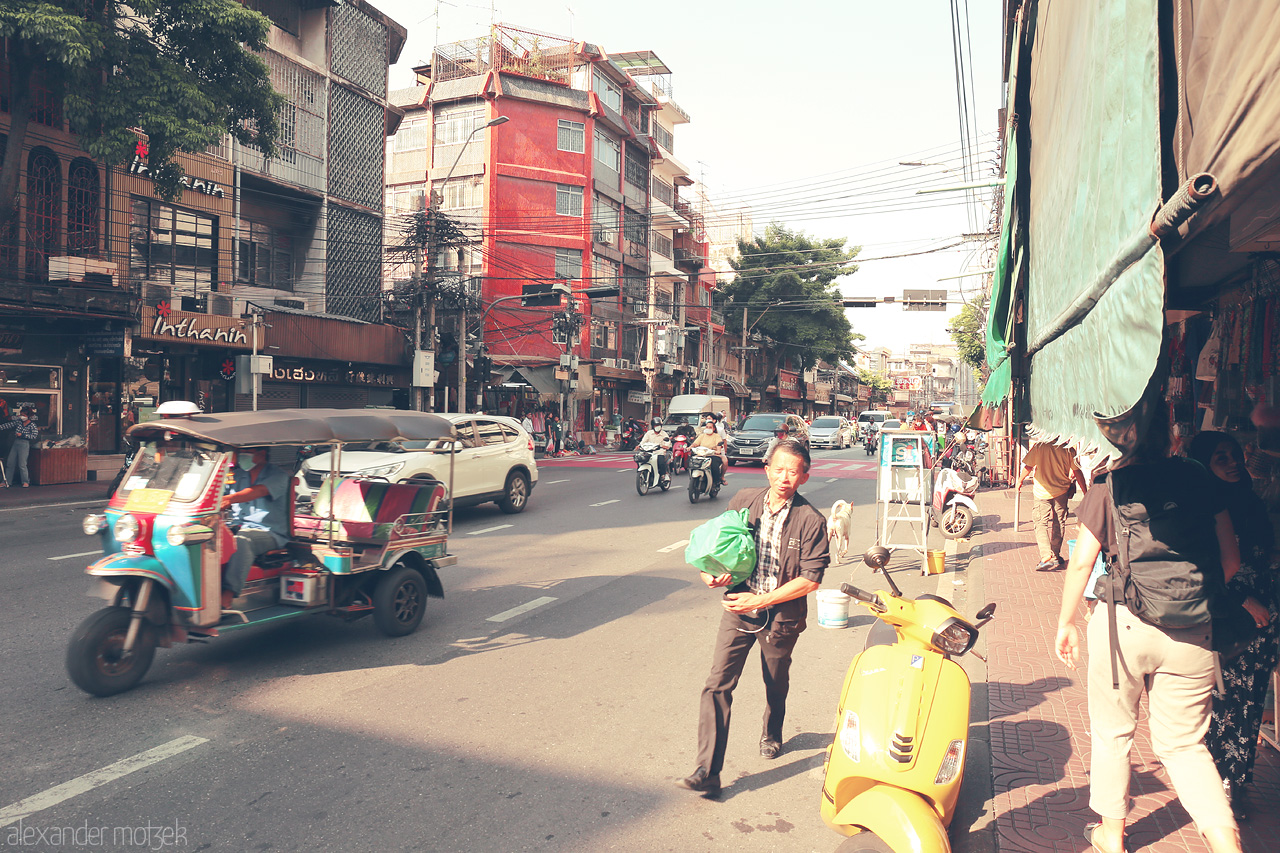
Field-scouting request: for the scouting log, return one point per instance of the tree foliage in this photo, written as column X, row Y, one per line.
column 180, row 71
column 785, row 283
column 879, row 384
column 969, row 333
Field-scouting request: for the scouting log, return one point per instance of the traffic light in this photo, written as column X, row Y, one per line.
column 483, row 366
column 924, row 300
column 539, row 294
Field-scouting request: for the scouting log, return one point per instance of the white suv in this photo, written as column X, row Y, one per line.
column 493, row 462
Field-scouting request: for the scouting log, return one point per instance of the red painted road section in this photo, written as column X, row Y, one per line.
column 822, row 468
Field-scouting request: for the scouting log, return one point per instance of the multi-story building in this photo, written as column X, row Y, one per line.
column 113, row 300
column 576, row 184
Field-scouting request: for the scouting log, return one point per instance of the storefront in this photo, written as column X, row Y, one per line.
column 790, row 393
column 629, row 396
column 182, row 355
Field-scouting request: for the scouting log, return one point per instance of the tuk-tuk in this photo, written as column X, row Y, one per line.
column 360, row 547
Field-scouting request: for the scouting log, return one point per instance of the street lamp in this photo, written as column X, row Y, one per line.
column 435, row 200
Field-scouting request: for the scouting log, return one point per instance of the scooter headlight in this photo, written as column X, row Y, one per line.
column 127, row 529
column 95, row 523
column 951, row 763
column 955, row 637
column 851, row 736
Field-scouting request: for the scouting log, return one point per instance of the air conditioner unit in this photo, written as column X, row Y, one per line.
column 154, row 294
column 221, row 305
column 648, row 365
column 609, row 362
column 668, row 370
column 624, row 364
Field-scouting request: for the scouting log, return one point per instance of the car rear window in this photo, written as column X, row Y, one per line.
column 490, row 432
column 827, row 423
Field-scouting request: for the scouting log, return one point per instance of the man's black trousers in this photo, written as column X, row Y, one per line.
column 731, row 651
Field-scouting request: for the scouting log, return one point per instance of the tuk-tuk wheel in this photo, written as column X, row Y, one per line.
column 95, row 661
column 399, row 601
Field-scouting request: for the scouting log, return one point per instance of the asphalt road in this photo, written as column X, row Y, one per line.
column 562, row 727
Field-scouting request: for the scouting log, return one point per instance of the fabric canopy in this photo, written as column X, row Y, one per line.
column 300, row 426
column 1094, row 175
column 541, row 378
column 1229, row 104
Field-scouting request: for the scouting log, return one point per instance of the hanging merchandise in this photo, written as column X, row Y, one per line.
column 1207, row 364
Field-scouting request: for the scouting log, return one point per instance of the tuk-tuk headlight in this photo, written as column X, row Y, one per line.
column 94, row 523
column 176, row 535
column 381, row 470
column 127, row 528
column 955, row 637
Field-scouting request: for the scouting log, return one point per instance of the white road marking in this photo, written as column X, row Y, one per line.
column 99, row 502
column 833, row 479
column 606, row 503
column 488, row 530
column 625, row 470
column 73, row 556
column 103, row 775
column 523, row 608
column 553, row 482
column 673, row 546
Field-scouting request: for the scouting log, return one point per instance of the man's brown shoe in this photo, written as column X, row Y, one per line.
column 770, row 748
column 703, row 782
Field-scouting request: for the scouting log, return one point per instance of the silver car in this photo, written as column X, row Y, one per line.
column 829, row 431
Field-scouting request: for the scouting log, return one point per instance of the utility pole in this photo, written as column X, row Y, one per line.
column 462, row 353
column 417, row 320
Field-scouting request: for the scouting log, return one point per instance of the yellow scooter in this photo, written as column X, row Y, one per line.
column 894, row 769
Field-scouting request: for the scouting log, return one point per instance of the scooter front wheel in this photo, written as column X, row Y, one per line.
column 96, row 660
column 864, row 842
column 694, row 491
column 642, row 482
column 956, row 521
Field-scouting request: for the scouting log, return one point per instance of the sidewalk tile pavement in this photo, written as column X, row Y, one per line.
column 1039, row 720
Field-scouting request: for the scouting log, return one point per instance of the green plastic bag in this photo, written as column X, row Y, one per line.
column 723, row 544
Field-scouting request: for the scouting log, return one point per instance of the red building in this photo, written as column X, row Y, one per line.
column 561, row 190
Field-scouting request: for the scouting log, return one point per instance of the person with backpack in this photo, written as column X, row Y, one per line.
column 1169, row 546
column 1247, row 617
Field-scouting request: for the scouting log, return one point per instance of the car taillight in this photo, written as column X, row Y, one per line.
column 531, row 445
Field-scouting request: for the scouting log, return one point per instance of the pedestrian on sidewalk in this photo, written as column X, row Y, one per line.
column 26, row 431
column 769, row 607
column 1250, row 601
column 1174, row 667
column 1056, row 475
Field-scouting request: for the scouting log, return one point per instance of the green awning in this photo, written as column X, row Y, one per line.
column 1094, row 174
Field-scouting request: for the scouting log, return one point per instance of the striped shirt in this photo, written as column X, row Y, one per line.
column 769, row 548
column 28, row 431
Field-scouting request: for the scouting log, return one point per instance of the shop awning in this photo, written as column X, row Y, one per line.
column 843, row 398
column 541, row 378
column 738, row 389
column 1094, row 171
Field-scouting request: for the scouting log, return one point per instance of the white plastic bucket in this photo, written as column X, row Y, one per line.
column 833, row 609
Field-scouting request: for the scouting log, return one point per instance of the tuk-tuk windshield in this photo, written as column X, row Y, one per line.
column 182, row 470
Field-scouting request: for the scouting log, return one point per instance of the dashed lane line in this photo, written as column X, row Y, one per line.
column 553, row 482
column 673, row 546
column 606, row 503
column 488, row 529
column 96, row 779
column 523, row 608
column 96, row 553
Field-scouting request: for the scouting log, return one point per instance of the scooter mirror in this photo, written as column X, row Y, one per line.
column 985, row 614
column 877, row 557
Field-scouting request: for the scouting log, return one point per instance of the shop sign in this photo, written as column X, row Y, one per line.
column 638, row 397
column 105, row 344
column 789, row 385
column 196, row 185
column 162, row 323
column 337, row 376
column 10, row 343
column 908, row 383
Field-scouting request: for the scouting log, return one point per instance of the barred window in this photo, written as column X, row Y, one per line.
column 635, row 228
column 44, row 210
column 82, row 208
column 605, row 213
column 571, row 136
column 637, row 168
column 568, row 263
column 663, row 136
column 568, row 200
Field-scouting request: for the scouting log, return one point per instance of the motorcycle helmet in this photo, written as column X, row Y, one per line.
column 656, row 423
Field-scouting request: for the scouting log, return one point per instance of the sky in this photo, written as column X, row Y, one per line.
column 803, row 111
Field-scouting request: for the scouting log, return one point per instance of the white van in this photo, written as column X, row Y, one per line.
column 872, row 419
column 688, row 409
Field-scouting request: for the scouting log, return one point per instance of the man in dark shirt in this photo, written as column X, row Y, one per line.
column 769, row 607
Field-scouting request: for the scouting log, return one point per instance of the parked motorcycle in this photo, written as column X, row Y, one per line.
column 953, row 505
column 647, row 476
column 680, row 458
column 632, row 432
column 702, row 479
column 895, row 766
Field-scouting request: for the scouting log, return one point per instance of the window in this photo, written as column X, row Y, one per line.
column 490, row 432
column 175, row 247
column 663, row 137
column 664, row 193
column 568, row 200
column 635, row 230
column 610, row 93
column 463, row 193
column 635, row 293
column 637, row 168
column 606, row 272
column 568, row 263
column 608, row 151
column 661, row 244
column 82, row 208
column 604, row 335
column 571, row 136
column 605, row 213
column 453, row 126
column 44, row 210
column 412, row 136
column 406, row 200
column 266, row 257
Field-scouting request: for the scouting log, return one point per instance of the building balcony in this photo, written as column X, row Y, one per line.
column 697, row 315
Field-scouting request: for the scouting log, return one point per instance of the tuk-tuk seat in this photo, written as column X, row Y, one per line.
column 367, row 510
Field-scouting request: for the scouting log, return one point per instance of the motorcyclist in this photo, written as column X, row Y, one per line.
column 781, row 433
column 710, row 438
column 657, row 435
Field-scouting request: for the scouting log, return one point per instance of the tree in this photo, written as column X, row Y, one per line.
column 969, row 332
column 179, row 71
column 785, row 283
column 879, row 384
